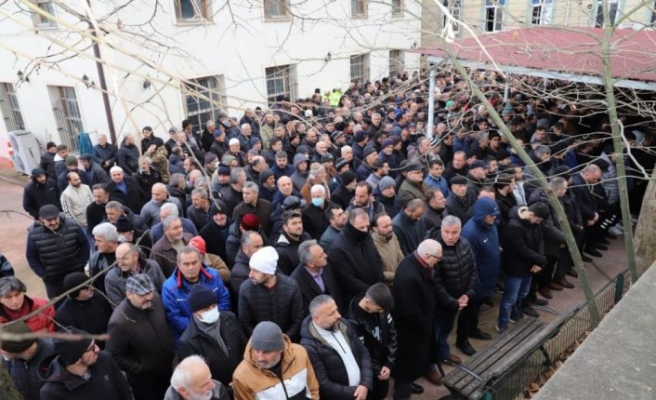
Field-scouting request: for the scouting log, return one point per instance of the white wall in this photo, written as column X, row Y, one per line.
column 239, row 52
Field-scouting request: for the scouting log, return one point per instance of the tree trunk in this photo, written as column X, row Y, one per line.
column 644, row 241
column 7, row 389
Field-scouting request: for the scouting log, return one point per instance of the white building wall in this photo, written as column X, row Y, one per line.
column 165, row 52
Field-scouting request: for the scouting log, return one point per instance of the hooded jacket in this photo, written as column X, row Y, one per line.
column 524, row 240
column 484, row 241
column 107, row 381
column 328, row 365
column 298, row 381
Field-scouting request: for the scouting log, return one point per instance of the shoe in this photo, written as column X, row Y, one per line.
column 434, row 377
column 515, row 318
column 615, row 231
column 546, row 293
column 593, row 252
column 480, row 335
column 418, row 389
column 585, row 258
column 466, row 348
column 604, row 242
column 572, row 272
column 601, row 247
column 501, row 329
column 530, row 311
column 537, row 302
column 555, row 286
column 452, row 360
column 564, row 283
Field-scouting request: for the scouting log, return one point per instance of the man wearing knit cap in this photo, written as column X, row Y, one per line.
column 190, row 271
column 267, row 296
column 274, row 368
column 79, row 370
column 211, row 260
column 214, row 335
column 386, row 195
column 23, row 358
column 140, row 339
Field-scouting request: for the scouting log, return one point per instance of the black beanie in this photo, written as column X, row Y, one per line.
column 201, row 297
column 348, row 177
column 20, row 346
column 70, row 351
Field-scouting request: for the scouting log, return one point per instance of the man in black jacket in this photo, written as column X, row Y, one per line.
column 217, row 337
column 79, row 370
column 583, row 187
column 39, row 192
column 141, row 340
column 286, row 244
column 314, row 276
column 455, row 280
column 125, row 189
column 370, row 315
column 354, row 255
column 128, row 156
column 268, row 296
column 340, row 360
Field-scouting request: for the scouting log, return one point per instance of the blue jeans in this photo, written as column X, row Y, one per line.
column 443, row 325
column 516, row 290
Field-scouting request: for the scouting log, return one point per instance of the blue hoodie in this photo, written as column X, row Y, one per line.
column 484, row 241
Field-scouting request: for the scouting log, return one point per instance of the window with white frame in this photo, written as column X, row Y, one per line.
column 359, row 8
column 397, row 8
column 454, row 7
column 42, row 21
column 67, row 114
column 191, row 10
column 11, row 112
column 541, row 12
column 204, row 98
column 360, row 68
column 276, row 9
column 281, row 81
column 494, row 15
column 613, row 12
column 396, row 62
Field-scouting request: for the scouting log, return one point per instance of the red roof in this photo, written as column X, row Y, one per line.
column 567, row 50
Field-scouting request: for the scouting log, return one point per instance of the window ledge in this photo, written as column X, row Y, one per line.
column 284, row 18
column 193, row 21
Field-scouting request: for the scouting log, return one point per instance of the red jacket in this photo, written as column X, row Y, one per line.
column 42, row 321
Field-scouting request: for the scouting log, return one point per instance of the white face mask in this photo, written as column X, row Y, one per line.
column 210, row 316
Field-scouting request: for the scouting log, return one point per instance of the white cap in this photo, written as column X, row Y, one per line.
column 233, row 141
column 265, row 260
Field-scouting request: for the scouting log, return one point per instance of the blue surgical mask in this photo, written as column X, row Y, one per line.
column 317, row 201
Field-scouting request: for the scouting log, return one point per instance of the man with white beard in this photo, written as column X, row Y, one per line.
column 192, row 380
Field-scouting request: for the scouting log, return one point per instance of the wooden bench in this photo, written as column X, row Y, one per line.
column 472, row 379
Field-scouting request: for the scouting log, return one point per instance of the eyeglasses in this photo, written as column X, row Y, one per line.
column 434, row 256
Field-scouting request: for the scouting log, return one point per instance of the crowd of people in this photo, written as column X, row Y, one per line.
column 316, row 249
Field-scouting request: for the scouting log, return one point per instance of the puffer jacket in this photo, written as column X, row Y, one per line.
column 282, row 305
column 298, row 381
column 456, row 274
column 379, row 338
column 328, row 365
column 525, row 240
column 54, row 254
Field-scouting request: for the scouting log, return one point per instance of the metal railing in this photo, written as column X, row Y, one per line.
column 567, row 329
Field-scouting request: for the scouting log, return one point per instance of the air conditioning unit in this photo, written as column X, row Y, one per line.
column 27, row 153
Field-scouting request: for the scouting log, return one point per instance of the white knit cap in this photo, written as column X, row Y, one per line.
column 265, row 260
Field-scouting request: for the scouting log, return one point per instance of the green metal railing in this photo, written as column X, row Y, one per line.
column 566, row 329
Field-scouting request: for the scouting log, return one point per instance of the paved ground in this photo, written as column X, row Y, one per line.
column 13, row 225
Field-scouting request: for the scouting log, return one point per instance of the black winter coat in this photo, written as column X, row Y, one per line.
column 215, row 238
column 133, row 199
column 356, row 260
column 37, row 195
column 328, row 365
column 91, row 316
column 107, row 382
column 128, row 159
column 102, row 154
column 194, row 341
column 586, row 197
column 456, row 274
column 282, row 305
column 287, row 249
column 523, row 245
column 415, row 303
column 25, row 373
column 314, row 219
column 378, row 334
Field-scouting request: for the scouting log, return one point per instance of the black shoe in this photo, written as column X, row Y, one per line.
column 585, row 258
column 593, row 252
column 466, row 348
column 601, row 247
column 416, row 389
column 604, row 242
column 536, row 301
column 530, row 311
column 478, row 334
